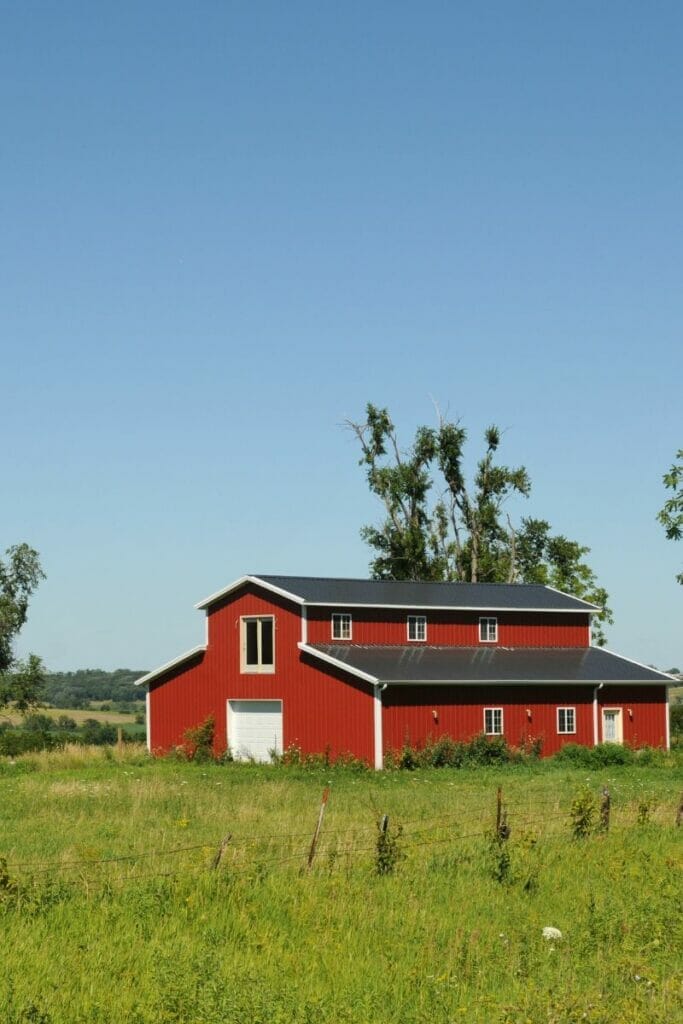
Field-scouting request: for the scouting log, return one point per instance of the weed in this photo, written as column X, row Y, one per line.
column 582, row 813
column 387, row 849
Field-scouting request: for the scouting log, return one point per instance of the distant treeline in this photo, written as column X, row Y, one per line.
column 78, row 689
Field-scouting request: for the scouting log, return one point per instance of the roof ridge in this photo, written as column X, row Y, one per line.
column 369, row 579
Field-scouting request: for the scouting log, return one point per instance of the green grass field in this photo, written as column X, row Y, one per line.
column 79, row 715
column 111, row 912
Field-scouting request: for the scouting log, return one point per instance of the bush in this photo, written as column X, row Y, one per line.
column 445, row 752
column 25, row 741
column 198, row 742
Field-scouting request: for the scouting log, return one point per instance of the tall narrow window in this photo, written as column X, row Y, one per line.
column 417, row 627
column 488, row 630
column 566, row 720
column 341, row 626
column 258, row 643
column 493, row 721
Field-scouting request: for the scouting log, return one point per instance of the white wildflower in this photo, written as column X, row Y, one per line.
column 552, row 934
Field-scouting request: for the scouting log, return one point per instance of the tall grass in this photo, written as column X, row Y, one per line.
column 161, row 938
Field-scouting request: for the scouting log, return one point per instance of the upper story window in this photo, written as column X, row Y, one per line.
column 488, row 630
column 341, row 626
column 417, row 627
column 566, row 720
column 257, row 643
column 493, row 721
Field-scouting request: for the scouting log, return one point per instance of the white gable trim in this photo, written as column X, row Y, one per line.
column 155, row 673
column 257, row 581
column 306, row 649
column 572, row 596
column 664, row 675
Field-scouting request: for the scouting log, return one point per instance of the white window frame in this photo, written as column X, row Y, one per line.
column 484, row 627
column 565, row 731
column 258, row 668
column 339, row 624
column 494, row 731
column 419, row 623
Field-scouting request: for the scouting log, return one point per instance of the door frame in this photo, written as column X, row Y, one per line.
column 619, row 720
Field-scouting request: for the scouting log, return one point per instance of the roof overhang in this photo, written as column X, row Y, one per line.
column 329, row 660
column 155, row 673
column 589, row 609
column 257, row 581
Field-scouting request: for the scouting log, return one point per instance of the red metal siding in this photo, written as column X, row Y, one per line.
column 320, row 709
column 515, row 629
column 644, row 713
column 408, row 713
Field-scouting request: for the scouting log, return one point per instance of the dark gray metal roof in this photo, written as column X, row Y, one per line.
column 490, row 664
column 411, row 594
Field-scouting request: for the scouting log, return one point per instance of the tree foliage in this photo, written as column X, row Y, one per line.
column 439, row 525
column 671, row 513
column 20, row 574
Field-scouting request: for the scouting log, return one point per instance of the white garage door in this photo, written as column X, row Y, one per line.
column 254, row 728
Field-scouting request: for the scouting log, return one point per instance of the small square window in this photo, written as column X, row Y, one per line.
column 417, row 627
column 488, row 631
column 341, row 626
column 566, row 720
column 493, row 721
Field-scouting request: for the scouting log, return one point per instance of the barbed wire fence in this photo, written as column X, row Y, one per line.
column 243, row 855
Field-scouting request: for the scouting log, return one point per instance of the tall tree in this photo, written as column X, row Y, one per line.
column 671, row 513
column 20, row 574
column 440, row 526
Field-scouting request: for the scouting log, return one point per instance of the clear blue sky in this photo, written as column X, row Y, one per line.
column 226, row 227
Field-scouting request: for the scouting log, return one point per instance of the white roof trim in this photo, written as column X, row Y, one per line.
column 664, row 675
column 170, row 664
column 212, row 598
column 589, row 610
column 520, row 682
column 305, row 649
column 573, row 596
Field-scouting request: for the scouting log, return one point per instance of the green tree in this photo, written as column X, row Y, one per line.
column 20, row 574
column 441, row 526
column 671, row 513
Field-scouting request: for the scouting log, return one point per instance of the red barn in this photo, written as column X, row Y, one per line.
column 362, row 666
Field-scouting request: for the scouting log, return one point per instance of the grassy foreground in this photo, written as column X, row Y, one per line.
column 110, row 911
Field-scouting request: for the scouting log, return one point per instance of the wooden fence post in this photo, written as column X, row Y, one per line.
column 679, row 814
column 502, row 827
column 605, row 810
column 220, row 851
column 314, row 841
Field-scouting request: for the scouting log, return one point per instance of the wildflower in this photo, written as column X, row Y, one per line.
column 552, row 934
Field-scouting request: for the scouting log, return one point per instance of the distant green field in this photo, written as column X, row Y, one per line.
column 79, row 716
column 110, row 911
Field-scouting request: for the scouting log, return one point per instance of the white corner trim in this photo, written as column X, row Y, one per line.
column 304, row 624
column 667, row 721
column 306, row 649
column 377, row 723
column 170, row 664
column 664, row 675
column 257, row 581
column 595, row 713
column 148, row 720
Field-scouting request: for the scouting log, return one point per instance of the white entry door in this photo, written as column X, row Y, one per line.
column 254, row 729
column 611, row 726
